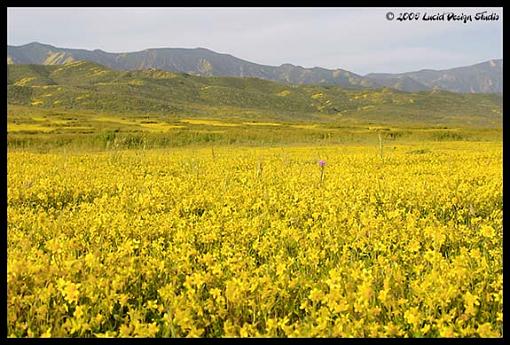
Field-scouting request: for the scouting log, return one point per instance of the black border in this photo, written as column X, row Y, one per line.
column 260, row 3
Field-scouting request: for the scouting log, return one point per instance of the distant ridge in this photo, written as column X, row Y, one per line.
column 486, row 77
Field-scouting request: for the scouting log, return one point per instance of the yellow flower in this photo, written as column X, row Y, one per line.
column 446, row 332
column 193, row 246
column 412, row 316
column 315, row 295
column 78, row 312
column 470, row 301
column 72, row 292
column 229, row 329
column 486, row 331
column 487, row 231
column 393, row 330
column 123, row 299
column 195, row 332
column 125, row 330
column 414, row 246
column 46, row 334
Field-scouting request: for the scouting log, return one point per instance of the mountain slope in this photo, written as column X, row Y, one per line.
column 485, row 77
column 89, row 86
column 197, row 61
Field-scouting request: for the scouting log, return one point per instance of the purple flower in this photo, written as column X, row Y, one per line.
column 322, row 163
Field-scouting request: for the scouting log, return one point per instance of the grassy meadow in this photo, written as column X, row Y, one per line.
column 49, row 129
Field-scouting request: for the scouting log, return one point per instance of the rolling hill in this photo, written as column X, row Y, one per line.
column 199, row 61
column 81, row 85
column 486, row 77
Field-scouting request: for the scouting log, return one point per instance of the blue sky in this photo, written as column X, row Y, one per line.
column 360, row 40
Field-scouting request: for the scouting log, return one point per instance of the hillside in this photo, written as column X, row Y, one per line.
column 486, row 77
column 197, row 61
column 83, row 85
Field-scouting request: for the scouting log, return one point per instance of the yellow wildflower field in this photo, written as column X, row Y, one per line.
column 249, row 242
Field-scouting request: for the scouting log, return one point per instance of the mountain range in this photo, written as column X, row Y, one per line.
column 485, row 77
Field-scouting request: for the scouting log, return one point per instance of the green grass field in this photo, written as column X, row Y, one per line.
column 44, row 129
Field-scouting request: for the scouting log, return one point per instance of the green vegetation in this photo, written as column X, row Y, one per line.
column 87, row 105
column 44, row 129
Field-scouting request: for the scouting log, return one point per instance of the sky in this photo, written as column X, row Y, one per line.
column 360, row 40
